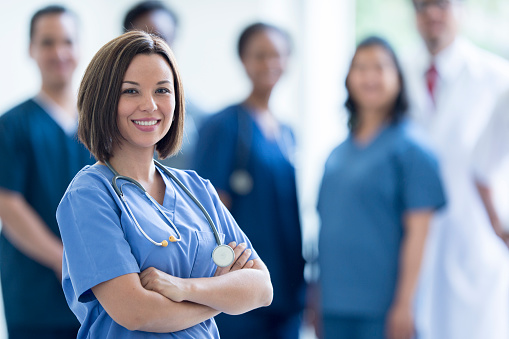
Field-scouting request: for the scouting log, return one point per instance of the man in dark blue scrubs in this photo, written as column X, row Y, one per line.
column 40, row 155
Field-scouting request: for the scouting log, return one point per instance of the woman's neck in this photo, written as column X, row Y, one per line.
column 258, row 100
column 137, row 165
column 370, row 122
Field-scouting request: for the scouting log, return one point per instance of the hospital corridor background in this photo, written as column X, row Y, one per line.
column 463, row 286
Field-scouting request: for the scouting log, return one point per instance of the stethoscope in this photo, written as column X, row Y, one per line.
column 222, row 255
column 241, row 181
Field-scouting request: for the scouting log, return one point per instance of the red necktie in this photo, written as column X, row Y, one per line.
column 431, row 81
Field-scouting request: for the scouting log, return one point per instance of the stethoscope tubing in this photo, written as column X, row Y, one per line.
column 179, row 183
column 191, row 195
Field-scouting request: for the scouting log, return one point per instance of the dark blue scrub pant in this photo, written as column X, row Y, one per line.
column 351, row 327
column 41, row 333
column 259, row 326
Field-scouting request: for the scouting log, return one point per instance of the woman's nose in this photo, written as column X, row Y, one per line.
column 148, row 104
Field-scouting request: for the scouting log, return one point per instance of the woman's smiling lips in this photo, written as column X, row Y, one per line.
column 146, row 125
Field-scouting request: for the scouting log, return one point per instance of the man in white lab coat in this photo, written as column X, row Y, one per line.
column 453, row 86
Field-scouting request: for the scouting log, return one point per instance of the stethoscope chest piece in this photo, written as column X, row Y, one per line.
column 241, row 182
column 223, row 255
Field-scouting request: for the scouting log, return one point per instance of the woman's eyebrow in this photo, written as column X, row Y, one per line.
column 137, row 84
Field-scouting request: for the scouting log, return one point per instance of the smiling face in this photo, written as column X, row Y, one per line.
column 265, row 58
column 146, row 105
column 53, row 46
column 373, row 80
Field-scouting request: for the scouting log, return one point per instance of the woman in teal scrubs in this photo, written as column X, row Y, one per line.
column 117, row 281
column 378, row 194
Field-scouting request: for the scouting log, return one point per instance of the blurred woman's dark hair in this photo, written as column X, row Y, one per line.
column 258, row 27
column 145, row 7
column 400, row 104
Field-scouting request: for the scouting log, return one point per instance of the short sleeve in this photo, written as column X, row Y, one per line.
column 227, row 223
column 493, row 145
column 215, row 150
column 13, row 154
column 94, row 244
column 421, row 186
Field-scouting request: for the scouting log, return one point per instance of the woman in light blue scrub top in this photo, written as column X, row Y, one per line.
column 124, row 280
column 379, row 191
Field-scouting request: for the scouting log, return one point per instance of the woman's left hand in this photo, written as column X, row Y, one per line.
column 400, row 322
column 167, row 285
column 241, row 259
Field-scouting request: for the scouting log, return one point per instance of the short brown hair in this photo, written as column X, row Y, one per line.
column 100, row 91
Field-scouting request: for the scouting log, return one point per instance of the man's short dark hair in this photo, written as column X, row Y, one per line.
column 146, row 7
column 48, row 10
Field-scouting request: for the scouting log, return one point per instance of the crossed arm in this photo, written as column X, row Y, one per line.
column 154, row 301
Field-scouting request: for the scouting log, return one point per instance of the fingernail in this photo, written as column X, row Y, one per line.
column 248, row 251
column 243, row 244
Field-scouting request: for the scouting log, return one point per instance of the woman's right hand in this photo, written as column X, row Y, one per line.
column 241, row 259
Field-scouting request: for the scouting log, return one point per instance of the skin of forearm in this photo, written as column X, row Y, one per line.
column 412, row 249
column 28, row 232
column 137, row 309
column 486, row 197
column 233, row 293
column 178, row 316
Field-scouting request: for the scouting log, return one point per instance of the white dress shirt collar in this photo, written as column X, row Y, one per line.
column 451, row 61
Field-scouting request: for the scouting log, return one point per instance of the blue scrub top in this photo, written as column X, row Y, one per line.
column 365, row 191
column 269, row 214
column 39, row 161
column 101, row 242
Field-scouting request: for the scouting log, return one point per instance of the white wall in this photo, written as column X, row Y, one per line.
column 309, row 97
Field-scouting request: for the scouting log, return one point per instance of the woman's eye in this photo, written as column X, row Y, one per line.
column 129, row 91
column 162, row 91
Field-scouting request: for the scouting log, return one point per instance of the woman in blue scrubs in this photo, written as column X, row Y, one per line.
column 379, row 191
column 247, row 154
column 118, row 280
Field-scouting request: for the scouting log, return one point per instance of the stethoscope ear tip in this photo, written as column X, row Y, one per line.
column 173, row 239
column 164, row 243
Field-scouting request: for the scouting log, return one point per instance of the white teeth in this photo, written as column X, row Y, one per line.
column 145, row 123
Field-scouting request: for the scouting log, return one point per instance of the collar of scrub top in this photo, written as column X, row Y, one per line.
column 68, row 123
column 223, row 255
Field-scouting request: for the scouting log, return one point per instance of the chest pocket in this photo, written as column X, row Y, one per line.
column 203, row 264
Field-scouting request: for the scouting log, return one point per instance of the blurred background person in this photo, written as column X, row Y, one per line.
column 40, row 155
column 248, row 156
column 155, row 17
column 453, row 86
column 378, row 194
